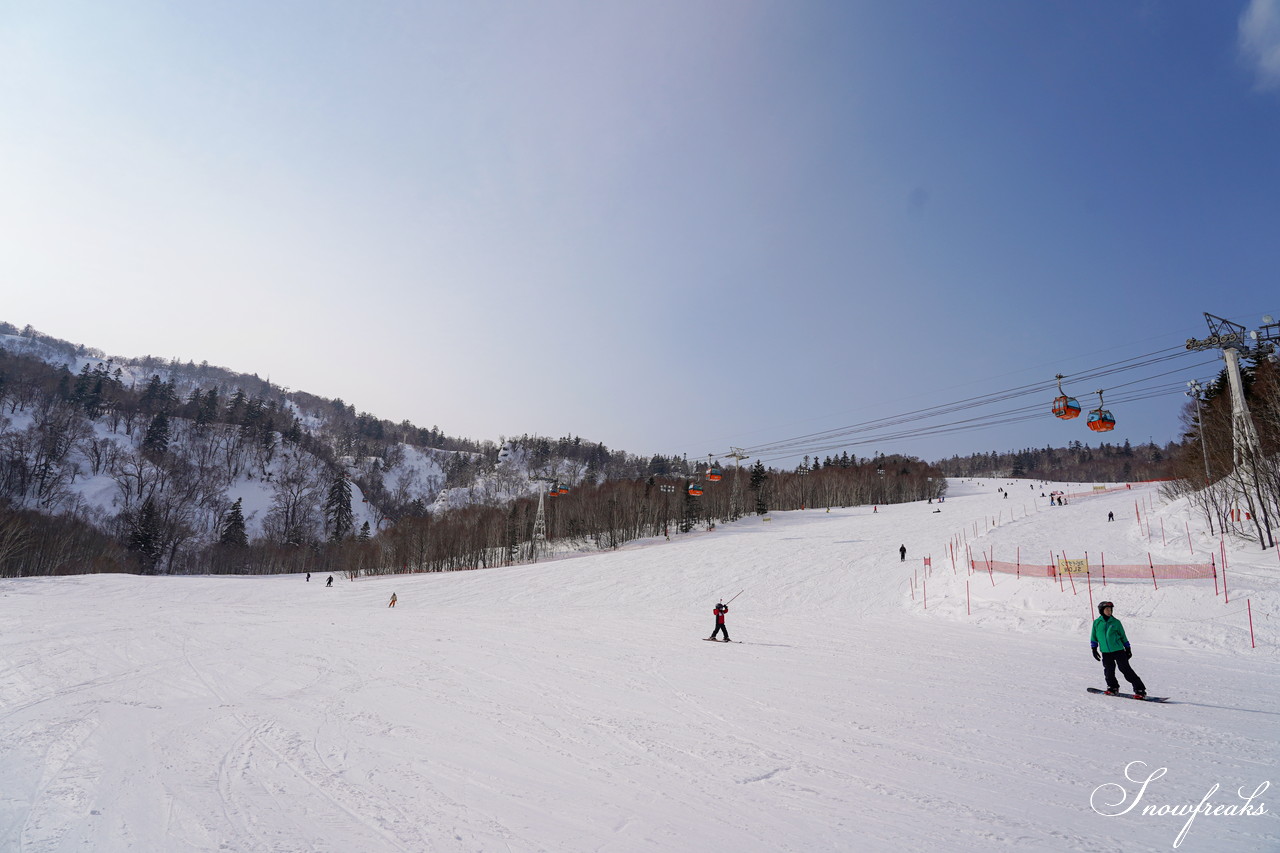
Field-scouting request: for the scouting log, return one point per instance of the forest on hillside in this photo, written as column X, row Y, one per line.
column 131, row 465
column 1075, row 463
column 1234, row 482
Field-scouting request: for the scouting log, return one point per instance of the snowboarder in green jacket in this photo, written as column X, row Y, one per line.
column 1108, row 637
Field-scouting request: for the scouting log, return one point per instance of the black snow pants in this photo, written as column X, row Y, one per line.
column 720, row 627
column 1112, row 660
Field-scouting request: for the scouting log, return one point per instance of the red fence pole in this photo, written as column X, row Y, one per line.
column 1226, row 596
column 1153, row 571
column 1104, row 569
column 1163, row 543
column 1190, row 547
column 968, row 606
column 1213, row 562
column 1249, row 604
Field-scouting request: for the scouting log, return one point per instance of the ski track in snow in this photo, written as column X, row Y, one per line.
column 570, row 706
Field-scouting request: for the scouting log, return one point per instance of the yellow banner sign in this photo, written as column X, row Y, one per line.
column 1073, row 567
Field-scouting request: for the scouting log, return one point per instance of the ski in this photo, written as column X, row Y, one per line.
column 1129, row 695
column 710, row 640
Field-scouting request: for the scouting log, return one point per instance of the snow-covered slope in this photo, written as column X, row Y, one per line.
column 571, row 705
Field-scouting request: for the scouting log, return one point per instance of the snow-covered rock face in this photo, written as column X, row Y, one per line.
column 279, row 713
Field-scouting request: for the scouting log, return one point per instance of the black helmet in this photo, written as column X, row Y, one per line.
column 1104, row 604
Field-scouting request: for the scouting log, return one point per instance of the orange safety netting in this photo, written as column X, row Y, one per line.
column 1184, row 571
column 1093, row 493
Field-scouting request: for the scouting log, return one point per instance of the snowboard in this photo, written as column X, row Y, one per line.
column 1129, row 695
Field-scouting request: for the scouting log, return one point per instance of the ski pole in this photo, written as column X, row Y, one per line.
column 730, row 601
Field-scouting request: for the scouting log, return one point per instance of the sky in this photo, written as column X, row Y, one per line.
column 572, row 706
column 671, row 227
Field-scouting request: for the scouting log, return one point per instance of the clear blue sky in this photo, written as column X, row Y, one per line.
column 667, row 226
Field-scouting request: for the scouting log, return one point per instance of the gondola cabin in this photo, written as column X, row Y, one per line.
column 713, row 474
column 1066, row 407
column 553, row 492
column 695, row 490
column 563, row 490
column 1100, row 420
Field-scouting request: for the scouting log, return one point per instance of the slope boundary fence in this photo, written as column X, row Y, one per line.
column 1173, row 571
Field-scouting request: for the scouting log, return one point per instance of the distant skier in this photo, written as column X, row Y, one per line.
column 308, row 577
column 1108, row 637
column 330, row 581
column 902, row 554
column 393, row 600
column 1111, row 516
column 720, row 610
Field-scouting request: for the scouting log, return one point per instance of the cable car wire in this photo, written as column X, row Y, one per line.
column 881, row 429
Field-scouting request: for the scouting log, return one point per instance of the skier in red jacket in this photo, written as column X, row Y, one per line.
column 720, row 610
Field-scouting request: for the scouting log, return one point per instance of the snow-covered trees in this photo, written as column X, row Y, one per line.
column 294, row 518
column 147, row 454
column 1241, row 493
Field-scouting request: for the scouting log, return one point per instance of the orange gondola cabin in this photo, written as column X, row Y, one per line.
column 1065, row 407
column 713, row 474
column 695, row 490
column 1101, row 420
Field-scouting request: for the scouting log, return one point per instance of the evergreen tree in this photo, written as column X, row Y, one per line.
column 156, row 441
column 144, row 536
column 758, row 480
column 337, row 508
column 158, row 396
column 233, row 532
column 236, row 407
column 365, row 534
column 93, row 402
column 83, row 382
column 206, row 406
